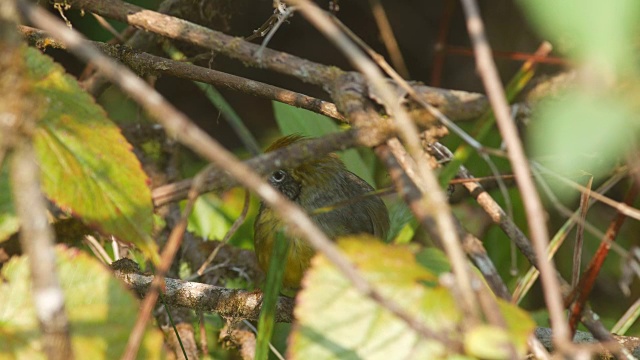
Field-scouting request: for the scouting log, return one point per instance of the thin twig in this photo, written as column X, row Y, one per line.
column 37, row 241
column 402, row 175
column 616, row 205
column 481, row 179
column 491, row 207
column 441, row 42
column 519, row 163
column 389, row 40
column 581, row 292
column 97, row 249
column 577, row 247
column 105, row 24
column 281, row 13
column 511, row 55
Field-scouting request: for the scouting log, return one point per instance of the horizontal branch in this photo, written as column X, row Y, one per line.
column 228, row 303
column 457, row 105
column 241, row 304
column 290, row 156
column 233, row 47
column 146, row 64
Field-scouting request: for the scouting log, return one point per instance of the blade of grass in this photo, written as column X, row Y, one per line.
column 577, row 249
column 232, row 117
column 275, row 275
column 628, row 319
column 173, row 325
column 216, row 98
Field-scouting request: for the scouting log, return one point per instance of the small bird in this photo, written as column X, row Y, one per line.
column 322, row 183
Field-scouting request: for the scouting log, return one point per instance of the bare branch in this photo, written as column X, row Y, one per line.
column 228, row 303
column 144, row 64
column 457, row 105
column 289, row 156
column 240, row 304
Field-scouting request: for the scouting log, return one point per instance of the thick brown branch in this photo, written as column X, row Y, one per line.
column 145, row 64
column 235, row 48
column 457, row 105
column 264, row 164
column 239, row 304
column 228, row 303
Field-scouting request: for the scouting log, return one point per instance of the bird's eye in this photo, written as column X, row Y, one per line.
column 278, row 176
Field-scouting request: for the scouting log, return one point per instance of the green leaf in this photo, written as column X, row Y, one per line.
column 582, row 133
column 434, row 260
column 101, row 311
column 491, row 342
column 292, row 120
column 597, row 31
column 88, row 167
column 336, row 322
column 9, row 222
column 207, row 219
column 402, row 223
column 487, row 342
column 275, row 275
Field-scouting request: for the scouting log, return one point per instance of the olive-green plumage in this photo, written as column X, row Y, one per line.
column 316, row 184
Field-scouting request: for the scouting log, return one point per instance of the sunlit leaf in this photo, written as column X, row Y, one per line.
column 213, row 215
column 88, row 167
column 101, row 311
column 207, row 220
column 492, row 342
column 334, row 321
column 487, row 342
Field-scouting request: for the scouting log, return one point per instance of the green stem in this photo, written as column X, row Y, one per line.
column 275, row 275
